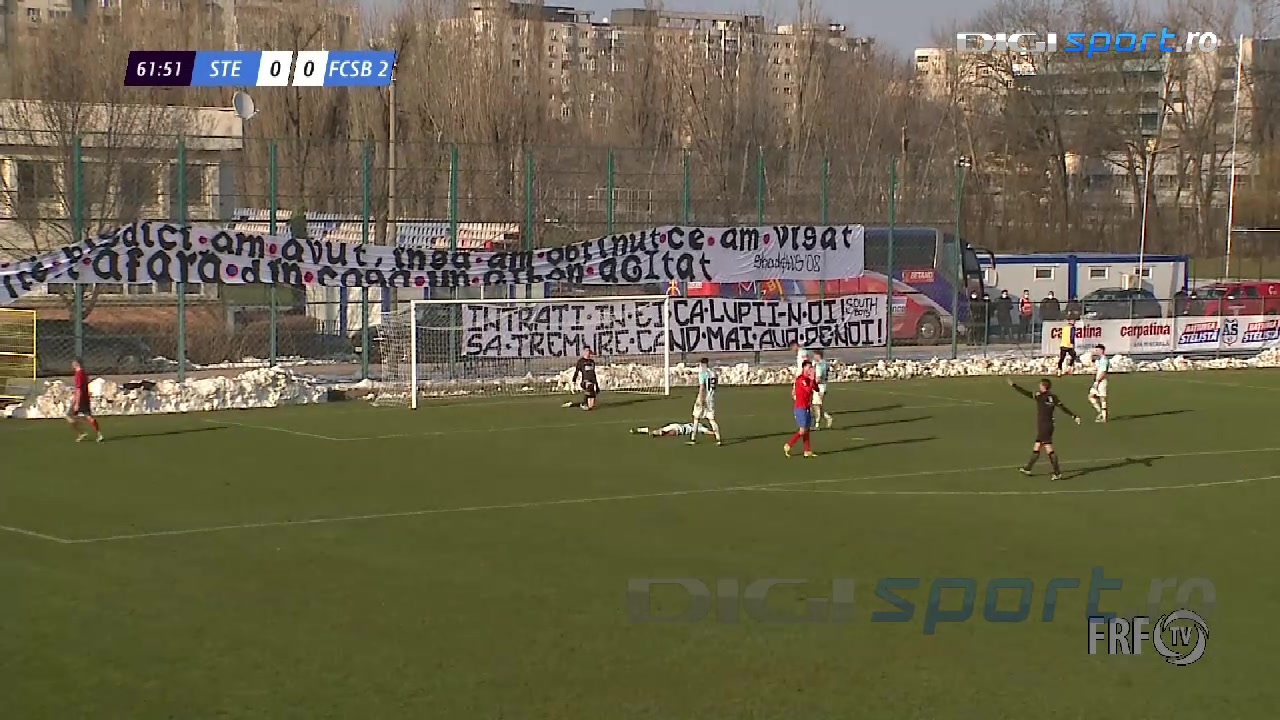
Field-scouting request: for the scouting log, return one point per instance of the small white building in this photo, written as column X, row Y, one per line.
column 1078, row 274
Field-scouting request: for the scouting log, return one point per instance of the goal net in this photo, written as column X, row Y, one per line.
column 510, row 347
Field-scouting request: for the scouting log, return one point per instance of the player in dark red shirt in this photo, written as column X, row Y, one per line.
column 802, row 391
column 82, row 405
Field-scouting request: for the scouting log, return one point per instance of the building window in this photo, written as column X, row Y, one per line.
column 195, row 188
column 33, row 14
column 1099, row 273
column 1044, row 273
column 1143, row 272
column 35, row 181
column 137, row 189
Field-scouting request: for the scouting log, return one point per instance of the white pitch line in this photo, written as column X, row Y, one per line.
column 644, row 496
column 994, row 493
column 34, row 534
column 272, row 428
column 526, row 428
column 1212, row 383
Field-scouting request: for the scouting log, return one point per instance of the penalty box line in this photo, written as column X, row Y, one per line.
column 525, row 428
column 776, row 487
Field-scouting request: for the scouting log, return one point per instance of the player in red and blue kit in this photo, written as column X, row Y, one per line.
column 82, row 404
column 806, row 385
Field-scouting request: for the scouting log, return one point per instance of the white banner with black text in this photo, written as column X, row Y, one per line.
column 155, row 252
column 697, row 325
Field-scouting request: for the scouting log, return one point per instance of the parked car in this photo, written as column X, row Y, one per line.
column 1121, row 304
column 103, row 353
column 1242, row 298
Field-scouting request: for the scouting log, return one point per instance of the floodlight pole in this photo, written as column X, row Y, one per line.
column 1235, row 136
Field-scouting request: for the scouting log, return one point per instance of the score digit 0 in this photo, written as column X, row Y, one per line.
column 309, row 69
column 274, row 69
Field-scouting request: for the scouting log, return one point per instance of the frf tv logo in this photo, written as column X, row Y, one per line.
column 1125, row 636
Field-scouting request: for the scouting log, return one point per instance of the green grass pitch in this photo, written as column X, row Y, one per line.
column 471, row 561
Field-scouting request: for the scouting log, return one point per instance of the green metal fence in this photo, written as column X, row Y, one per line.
column 553, row 195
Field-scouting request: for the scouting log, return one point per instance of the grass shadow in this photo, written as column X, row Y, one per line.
column 882, row 408
column 166, row 433
column 883, row 443
column 882, row 423
column 1144, row 416
column 1127, row 462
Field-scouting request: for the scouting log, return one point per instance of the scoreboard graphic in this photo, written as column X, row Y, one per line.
column 260, row 68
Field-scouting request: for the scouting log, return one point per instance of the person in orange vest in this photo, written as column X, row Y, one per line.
column 1025, row 309
column 673, row 289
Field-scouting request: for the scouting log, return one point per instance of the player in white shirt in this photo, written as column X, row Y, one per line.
column 821, row 373
column 671, row 430
column 1098, row 392
column 704, row 408
column 802, row 356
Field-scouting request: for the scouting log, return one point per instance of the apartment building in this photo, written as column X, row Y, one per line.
column 581, row 52
column 1113, row 111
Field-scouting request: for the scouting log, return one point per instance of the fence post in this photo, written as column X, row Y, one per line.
column 181, row 218
column 957, row 258
column 366, row 203
column 761, row 188
column 455, row 315
column 273, row 177
column 530, row 214
column 825, row 200
column 611, row 191
column 893, row 218
column 77, row 233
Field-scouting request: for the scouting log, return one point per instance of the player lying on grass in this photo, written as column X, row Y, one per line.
column 82, row 406
column 704, row 408
column 672, row 430
column 1046, row 404
column 1098, row 391
column 584, row 376
column 821, row 374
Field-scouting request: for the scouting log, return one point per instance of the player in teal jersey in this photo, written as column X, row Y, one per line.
column 822, row 373
column 1098, row 391
column 704, row 408
column 672, row 430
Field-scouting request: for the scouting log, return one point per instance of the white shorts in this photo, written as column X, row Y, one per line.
column 1099, row 388
column 704, row 412
column 819, row 394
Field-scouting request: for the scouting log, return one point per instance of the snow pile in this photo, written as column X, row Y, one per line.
column 641, row 376
column 262, row 387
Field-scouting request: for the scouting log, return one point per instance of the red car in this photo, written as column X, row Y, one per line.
column 1243, row 298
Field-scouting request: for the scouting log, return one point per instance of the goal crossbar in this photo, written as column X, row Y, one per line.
column 486, row 346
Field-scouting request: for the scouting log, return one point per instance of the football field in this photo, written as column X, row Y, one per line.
column 473, row 560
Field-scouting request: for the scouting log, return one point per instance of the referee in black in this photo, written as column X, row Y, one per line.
column 584, row 376
column 1046, row 404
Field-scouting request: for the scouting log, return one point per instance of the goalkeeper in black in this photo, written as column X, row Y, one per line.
column 584, row 376
column 1046, row 405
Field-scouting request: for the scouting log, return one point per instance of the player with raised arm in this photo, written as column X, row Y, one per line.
column 803, row 391
column 584, row 376
column 704, row 408
column 82, row 405
column 672, row 430
column 821, row 375
column 802, row 357
column 1098, row 391
column 1046, row 405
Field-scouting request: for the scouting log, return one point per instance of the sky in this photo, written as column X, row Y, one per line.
column 895, row 27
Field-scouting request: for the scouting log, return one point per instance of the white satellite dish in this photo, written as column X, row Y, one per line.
column 243, row 105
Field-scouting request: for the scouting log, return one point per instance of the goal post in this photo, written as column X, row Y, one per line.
column 494, row 347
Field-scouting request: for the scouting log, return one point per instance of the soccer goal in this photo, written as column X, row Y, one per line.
column 513, row 347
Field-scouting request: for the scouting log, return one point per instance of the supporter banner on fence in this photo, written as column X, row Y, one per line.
column 698, row 325
column 1168, row 335
column 160, row 252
